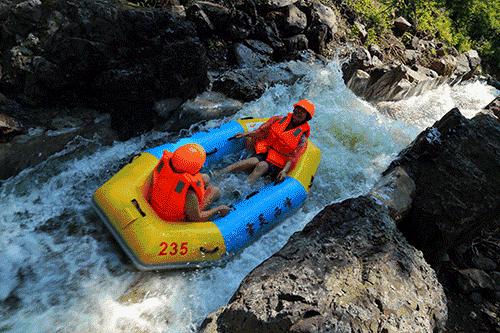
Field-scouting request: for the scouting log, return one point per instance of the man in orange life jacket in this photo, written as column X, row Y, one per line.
column 179, row 192
column 278, row 144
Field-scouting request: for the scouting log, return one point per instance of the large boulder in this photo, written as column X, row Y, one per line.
column 455, row 167
column 349, row 270
column 102, row 54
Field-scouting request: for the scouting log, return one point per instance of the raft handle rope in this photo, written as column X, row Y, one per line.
column 311, row 183
column 206, row 251
column 138, row 207
column 246, row 118
column 212, row 152
column 251, row 195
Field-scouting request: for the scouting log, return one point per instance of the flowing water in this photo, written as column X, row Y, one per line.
column 61, row 271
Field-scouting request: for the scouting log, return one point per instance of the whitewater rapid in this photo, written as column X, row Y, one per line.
column 61, row 271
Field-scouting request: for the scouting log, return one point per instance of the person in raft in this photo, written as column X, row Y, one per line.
column 278, row 144
column 179, row 192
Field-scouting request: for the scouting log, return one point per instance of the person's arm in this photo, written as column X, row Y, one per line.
column 260, row 132
column 293, row 158
column 193, row 212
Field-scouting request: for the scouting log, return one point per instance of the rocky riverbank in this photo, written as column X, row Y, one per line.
column 352, row 270
column 144, row 64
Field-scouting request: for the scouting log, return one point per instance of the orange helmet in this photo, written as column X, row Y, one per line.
column 189, row 158
column 306, row 105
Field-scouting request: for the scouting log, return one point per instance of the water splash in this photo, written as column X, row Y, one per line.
column 61, row 271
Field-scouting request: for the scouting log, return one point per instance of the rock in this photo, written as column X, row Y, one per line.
column 476, row 297
column 411, row 56
column 376, row 62
column 206, row 106
column 444, row 66
column 165, row 107
column 348, row 270
column 275, row 4
column 470, row 280
column 9, row 128
column 247, row 84
column 375, row 50
column 362, row 33
column 102, row 55
column 474, row 59
column 358, row 82
column 259, row 47
column 296, row 43
column 295, row 21
column 395, row 190
column 496, row 278
column 494, row 107
column 248, row 58
column 324, row 15
column 40, row 143
column 402, row 25
column 455, row 167
column 416, row 44
column 483, row 263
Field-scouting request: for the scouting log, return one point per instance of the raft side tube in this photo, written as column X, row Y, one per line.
column 152, row 242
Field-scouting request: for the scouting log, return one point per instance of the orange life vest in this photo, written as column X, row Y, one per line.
column 169, row 189
column 280, row 143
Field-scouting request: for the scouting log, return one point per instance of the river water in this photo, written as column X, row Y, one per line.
column 62, row 272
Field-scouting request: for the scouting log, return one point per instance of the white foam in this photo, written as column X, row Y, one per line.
column 69, row 275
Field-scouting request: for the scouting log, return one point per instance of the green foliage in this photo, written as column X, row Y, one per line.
column 464, row 24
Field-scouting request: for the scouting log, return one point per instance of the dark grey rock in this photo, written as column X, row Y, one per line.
column 9, row 128
column 295, row 21
column 483, row 263
column 402, row 25
column 348, row 270
column 245, row 57
column 455, row 167
column 470, row 280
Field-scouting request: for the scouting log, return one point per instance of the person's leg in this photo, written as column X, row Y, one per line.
column 243, row 165
column 212, row 193
column 260, row 169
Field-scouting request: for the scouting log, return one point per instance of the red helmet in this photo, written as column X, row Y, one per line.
column 306, row 105
column 189, row 158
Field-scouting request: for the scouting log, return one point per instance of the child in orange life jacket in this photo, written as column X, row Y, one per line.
column 278, row 144
column 179, row 192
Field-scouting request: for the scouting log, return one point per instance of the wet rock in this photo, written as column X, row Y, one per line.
column 247, row 84
column 483, row 263
column 348, row 270
column 9, row 128
column 259, row 47
column 295, row 21
column 400, row 82
column 100, row 54
column 494, row 107
column 206, row 106
column 296, row 43
column 455, row 167
column 402, row 25
column 245, row 57
column 359, row 82
column 40, row 143
column 470, row 280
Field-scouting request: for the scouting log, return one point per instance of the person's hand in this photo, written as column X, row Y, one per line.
column 223, row 210
column 281, row 176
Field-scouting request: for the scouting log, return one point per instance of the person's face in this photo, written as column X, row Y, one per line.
column 299, row 114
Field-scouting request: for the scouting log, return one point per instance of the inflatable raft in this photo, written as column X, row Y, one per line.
column 152, row 243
